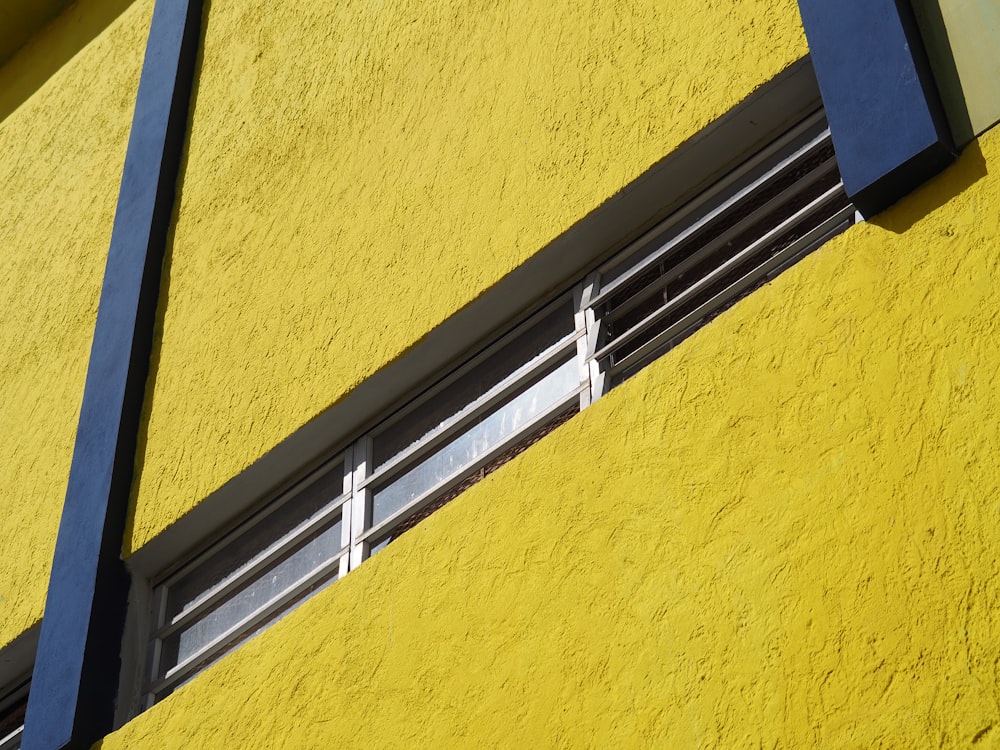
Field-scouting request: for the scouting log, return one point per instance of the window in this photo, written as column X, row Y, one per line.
column 778, row 205
column 13, row 705
column 784, row 202
column 256, row 573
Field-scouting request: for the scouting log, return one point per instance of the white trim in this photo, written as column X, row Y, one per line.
column 278, row 605
column 818, row 234
column 280, row 548
column 361, row 502
column 499, row 393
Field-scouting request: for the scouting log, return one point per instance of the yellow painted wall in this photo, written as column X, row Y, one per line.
column 359, row 171
column 61, row 155
column 783, row 534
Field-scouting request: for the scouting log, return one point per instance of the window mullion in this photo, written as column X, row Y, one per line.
column 581, row 296
column 361, row 499
column 346, row 520
column 593, row 334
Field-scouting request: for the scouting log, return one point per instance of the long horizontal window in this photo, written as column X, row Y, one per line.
column 780, row 204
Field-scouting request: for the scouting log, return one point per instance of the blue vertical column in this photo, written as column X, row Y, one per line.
column 889, row 128
column 75, row 680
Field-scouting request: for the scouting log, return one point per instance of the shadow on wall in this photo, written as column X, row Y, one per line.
column 163, row 299
column 41, row 58
column 955, row 180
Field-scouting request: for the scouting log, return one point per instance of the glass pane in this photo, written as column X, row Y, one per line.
column 249, row 544
column 253, row 597
column 554, row 327
column 490, row 431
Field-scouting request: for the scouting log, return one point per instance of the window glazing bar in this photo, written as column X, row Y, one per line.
column 720, row 186
column 386, row 527
column 280, row 604
column 13, row 740
column 813, row 238
column 265, row 559
column 416, row 401
column 778, row 170
column 473, row 411
column 821, row 171
column 833, row 195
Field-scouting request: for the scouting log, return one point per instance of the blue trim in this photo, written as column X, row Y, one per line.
column 888, row 126
column 75, row 681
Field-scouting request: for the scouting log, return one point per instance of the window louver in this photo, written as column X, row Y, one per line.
column 782, row 204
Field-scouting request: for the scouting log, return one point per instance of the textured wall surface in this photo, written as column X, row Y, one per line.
column 357, row 173
column 784, row 534
column 61, row 155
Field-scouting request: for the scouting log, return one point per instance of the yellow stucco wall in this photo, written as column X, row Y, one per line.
column 783, row 534
column 61, row 155
column 357, row 173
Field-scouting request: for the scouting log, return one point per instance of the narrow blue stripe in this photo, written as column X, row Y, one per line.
column 885, row 115
column 75, row 679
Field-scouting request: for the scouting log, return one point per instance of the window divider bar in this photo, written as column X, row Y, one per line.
column 347, row 519
column 784, row 165
column 580, row 293
column 428, row 496
column 182, row 669
column 593, row 327
column 815, row 236
column 467, row 365
column 361, row 500
column 257, row 516
column 833, row 194
column 12, row 740
column 796, row 188
column 717, row 187
column 471, row 412
column 283, row 546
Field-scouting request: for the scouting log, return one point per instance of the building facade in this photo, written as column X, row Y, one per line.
column 520, row 374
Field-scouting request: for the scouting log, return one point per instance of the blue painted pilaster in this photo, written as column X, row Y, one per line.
column 887, row 122
column 75, row 680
